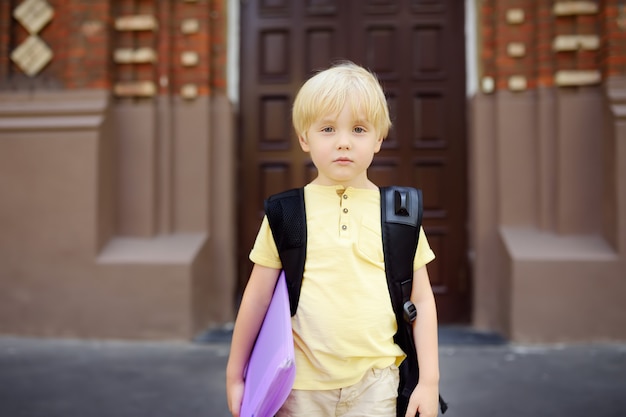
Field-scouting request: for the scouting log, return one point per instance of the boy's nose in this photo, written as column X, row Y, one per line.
column 343, row 141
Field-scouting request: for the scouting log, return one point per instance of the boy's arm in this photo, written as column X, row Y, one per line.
column 254, row 304
column 425, row 397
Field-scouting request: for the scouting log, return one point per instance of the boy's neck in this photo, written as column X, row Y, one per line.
column 367, row 184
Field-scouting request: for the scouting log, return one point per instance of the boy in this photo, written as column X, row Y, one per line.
column 346, row 359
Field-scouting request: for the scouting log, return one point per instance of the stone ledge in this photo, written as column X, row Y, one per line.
column 533, row 244
column 165, row 249
column 42, row 105
column 50, row 123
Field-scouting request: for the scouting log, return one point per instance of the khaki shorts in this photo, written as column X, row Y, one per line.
column 374, row 395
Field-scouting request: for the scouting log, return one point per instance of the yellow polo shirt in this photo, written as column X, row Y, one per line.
column 345, row 323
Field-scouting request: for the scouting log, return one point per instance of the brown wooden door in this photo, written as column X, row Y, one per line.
column 417, row 50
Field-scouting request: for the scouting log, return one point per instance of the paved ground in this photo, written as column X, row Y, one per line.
column 481, row 376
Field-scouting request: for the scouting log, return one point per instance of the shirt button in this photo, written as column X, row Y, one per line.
column 345, row 210
column 344, row 227
column 345, row 196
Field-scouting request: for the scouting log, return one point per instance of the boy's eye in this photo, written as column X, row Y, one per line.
column 327, row 129
column 359, row 129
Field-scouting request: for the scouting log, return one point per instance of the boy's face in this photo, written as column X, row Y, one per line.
column 342, row 147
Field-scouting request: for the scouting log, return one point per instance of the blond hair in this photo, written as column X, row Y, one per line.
column 330, row 90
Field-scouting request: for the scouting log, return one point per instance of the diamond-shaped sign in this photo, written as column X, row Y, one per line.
column 32, row 55
column 33, row 15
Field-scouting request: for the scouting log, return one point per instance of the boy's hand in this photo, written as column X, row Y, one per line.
column 234, row 394
column 424, row 400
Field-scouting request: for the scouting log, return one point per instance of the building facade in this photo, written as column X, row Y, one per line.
column 117, row 174
column 126, row 168
column 547, row 170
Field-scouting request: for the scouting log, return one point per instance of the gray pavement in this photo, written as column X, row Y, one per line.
column 482, row 375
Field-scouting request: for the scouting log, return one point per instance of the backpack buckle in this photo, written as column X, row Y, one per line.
column 401, row 203
column 402, row 206
column 410, row 312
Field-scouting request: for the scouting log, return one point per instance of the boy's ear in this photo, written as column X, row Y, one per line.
column 304, row 143
column 379, row 143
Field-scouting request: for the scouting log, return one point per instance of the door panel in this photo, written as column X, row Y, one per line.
column 416, row 50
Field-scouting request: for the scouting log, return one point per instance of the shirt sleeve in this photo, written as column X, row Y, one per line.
column 424, row 253
column 264, row 251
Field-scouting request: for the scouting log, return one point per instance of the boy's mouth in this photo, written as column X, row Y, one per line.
column 343, row 160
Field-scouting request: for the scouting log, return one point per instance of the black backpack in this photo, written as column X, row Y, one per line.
column 401, row 216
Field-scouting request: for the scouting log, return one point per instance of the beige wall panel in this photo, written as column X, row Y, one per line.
column 579, row 165
column 204, row 195
column 191, row 164
column 614, row 197
column 107, row 183
column 610, row 157
column 223, row 211
column 620, row 187
column 491, row 282
column 136, row 152
column 48, row 182
column 48, row 223
column 517, row 157
column 547, row 157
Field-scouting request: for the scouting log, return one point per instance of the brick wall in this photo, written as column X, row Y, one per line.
column 545, row 59
column 79, row 38
column 613, row 56
column 219, row 18
column 209, row 43
column 83, row 38
column 517, row 47
column 172, row 72
column 518, row 35
column 487, row 38
column 199, row 43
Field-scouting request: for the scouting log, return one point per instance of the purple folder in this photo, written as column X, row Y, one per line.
column 271, row 368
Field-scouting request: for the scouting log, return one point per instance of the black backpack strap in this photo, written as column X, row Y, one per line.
column 401, row 220
column 287, row 219
column 401, row 212
column 401, row 216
